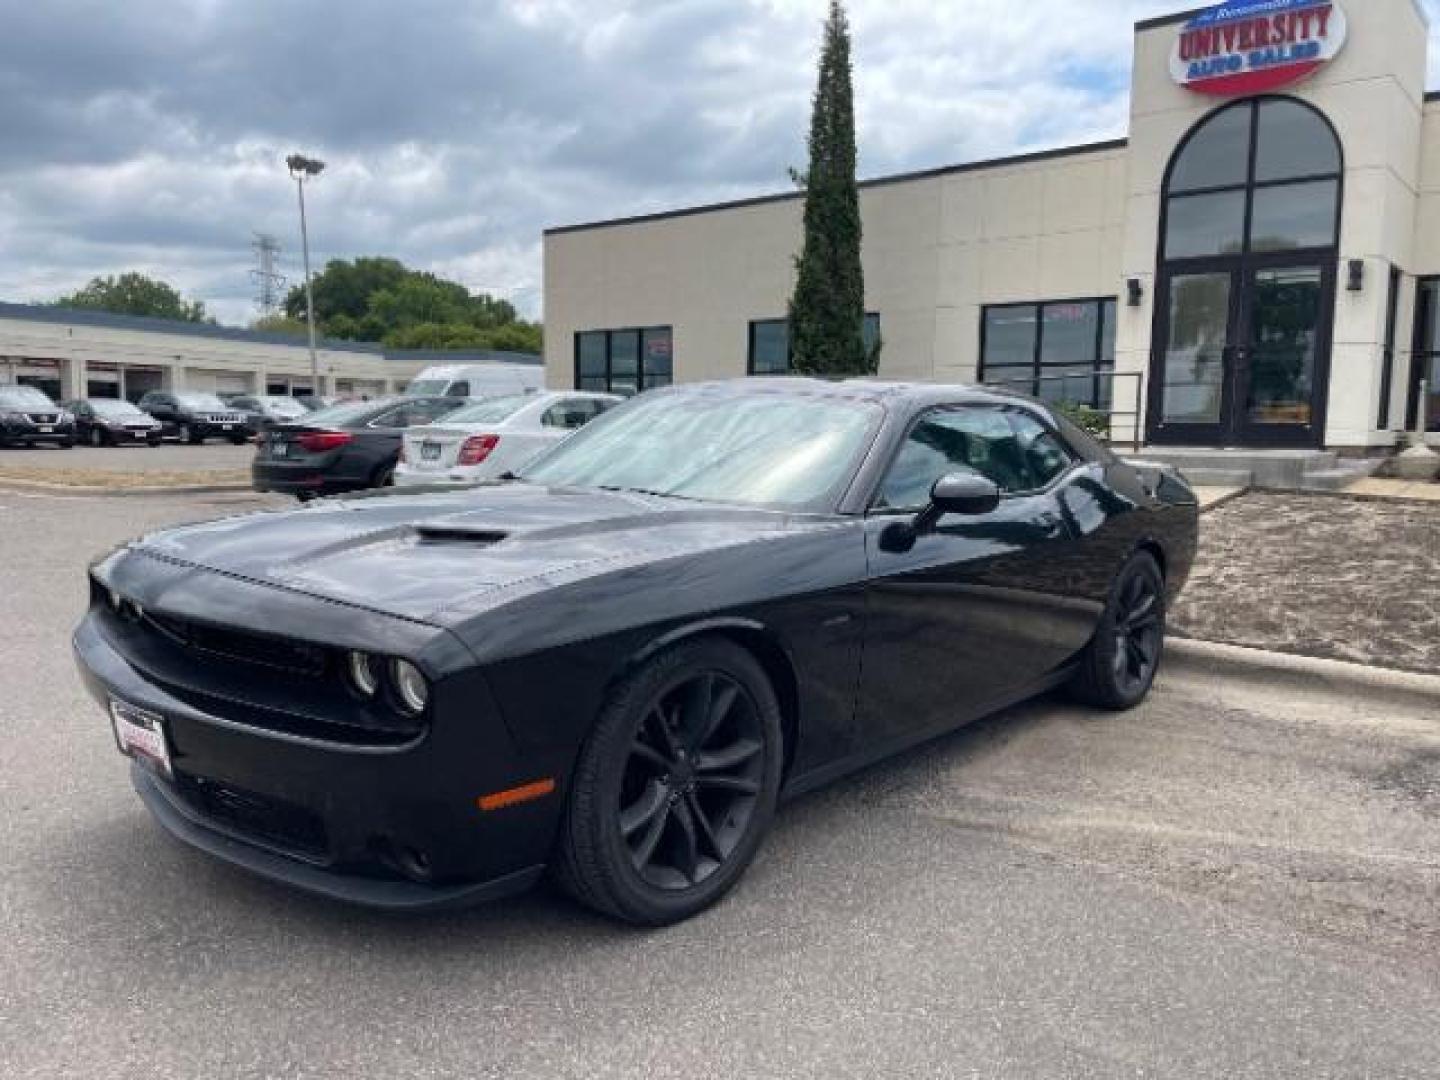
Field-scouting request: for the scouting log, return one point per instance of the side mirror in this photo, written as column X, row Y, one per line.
column 965, row 492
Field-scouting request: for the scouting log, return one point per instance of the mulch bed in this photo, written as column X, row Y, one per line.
column 1334, row 577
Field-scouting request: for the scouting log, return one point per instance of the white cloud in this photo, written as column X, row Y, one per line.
column 149, row 135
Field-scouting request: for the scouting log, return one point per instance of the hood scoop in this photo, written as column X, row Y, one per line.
column 453, row 533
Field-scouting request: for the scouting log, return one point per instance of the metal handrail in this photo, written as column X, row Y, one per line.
column 1112, row 413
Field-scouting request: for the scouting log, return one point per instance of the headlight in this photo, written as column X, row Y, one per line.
column 65, row 418
column 10, row 414
column 363, row 671
column 411, row 690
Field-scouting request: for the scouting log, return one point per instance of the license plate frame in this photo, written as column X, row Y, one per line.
column 140, row 736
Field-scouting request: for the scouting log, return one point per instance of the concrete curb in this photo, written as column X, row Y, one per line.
column 1339, row 676
column 121, row 492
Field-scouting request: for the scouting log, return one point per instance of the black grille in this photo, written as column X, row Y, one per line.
column 271, row 821
column 44, row 418
column 278, row 653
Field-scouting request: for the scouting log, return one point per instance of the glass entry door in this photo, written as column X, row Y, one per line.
column 1242, row 356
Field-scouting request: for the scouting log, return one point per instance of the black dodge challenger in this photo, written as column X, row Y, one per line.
column 615, row 665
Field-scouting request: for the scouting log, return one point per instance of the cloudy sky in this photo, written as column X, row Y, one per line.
column 150, row 134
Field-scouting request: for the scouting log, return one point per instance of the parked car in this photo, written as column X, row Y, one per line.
column 28, row 417
column 344, row 448
column 493, row 437
column 496, row 379
column 264, row 411
column 618, row 663
column 113, row 422
column 193, row 417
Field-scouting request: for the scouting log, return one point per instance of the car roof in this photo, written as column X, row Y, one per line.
column 899, row 395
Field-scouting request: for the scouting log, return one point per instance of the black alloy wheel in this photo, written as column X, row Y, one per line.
column 676, row 786
column 1119, row 667
column 692, row 782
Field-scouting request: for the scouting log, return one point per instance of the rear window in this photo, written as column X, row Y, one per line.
column 488, row 412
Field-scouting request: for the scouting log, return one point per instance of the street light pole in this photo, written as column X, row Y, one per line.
column 302, row 169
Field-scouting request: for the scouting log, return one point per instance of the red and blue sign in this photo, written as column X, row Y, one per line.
column 1251, row 46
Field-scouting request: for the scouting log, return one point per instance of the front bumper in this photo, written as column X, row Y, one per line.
column 25, row 431
column 340, row 821
column 182, row 822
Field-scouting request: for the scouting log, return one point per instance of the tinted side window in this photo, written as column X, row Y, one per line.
column 459, row 389
column 1045, row 457
column 981, row 439
column 571, row 413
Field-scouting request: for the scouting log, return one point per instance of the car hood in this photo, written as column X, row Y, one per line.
column 439, row 558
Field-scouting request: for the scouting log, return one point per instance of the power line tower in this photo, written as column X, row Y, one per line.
column 269, row 283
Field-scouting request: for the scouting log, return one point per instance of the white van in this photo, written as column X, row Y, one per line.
column 477, row 380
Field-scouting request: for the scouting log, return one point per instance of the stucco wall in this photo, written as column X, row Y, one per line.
column 936, row 249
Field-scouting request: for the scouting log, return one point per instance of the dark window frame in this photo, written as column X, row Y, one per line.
column 1427, row 295
column 789, row 351
column 1250, row 185
column 1099, row 369
column 1387, row 360
column 642, row 376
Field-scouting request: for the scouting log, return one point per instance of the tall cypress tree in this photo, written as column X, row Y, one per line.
column 827, row 312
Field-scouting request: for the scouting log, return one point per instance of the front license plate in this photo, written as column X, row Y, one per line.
column 141, row 735
column 46, row 429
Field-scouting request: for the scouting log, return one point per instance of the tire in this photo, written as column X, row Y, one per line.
column 186, row 434
column 97, row 437
column 1119, row 666
column 384, row 476
column 67, row 444
column 155, row 444
column 241, row 441
column 711, row 818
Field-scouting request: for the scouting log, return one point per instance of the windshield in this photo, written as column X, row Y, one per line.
column 427, row 388
column 759, row 450
column 24, row 397
column 488, row 412
column 113, row 407
column 339, row 415
column 206, row 402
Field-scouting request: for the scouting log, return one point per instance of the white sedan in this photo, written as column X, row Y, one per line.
column 490, row 438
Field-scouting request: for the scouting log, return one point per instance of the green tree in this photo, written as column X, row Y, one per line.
column 827, row 311
column 379, row 299
column 135, row 294
column 280, row 324
column 345, row 288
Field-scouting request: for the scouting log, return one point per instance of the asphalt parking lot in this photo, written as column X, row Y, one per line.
column 1241, row 879
column 169, row 457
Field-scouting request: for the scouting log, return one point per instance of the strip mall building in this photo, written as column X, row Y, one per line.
column 1257, row 265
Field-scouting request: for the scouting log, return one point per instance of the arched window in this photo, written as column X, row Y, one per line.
column 1261, row 175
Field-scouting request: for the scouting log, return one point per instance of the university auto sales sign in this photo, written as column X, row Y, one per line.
column 1251, row 46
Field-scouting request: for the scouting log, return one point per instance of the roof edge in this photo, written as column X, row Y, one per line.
column 1170, row 20
column 879, row 181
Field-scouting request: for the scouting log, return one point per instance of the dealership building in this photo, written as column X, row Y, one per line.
column 73, row 354
column 1256, row 265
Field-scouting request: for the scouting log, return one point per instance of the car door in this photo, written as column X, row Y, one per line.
column 973, row 614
